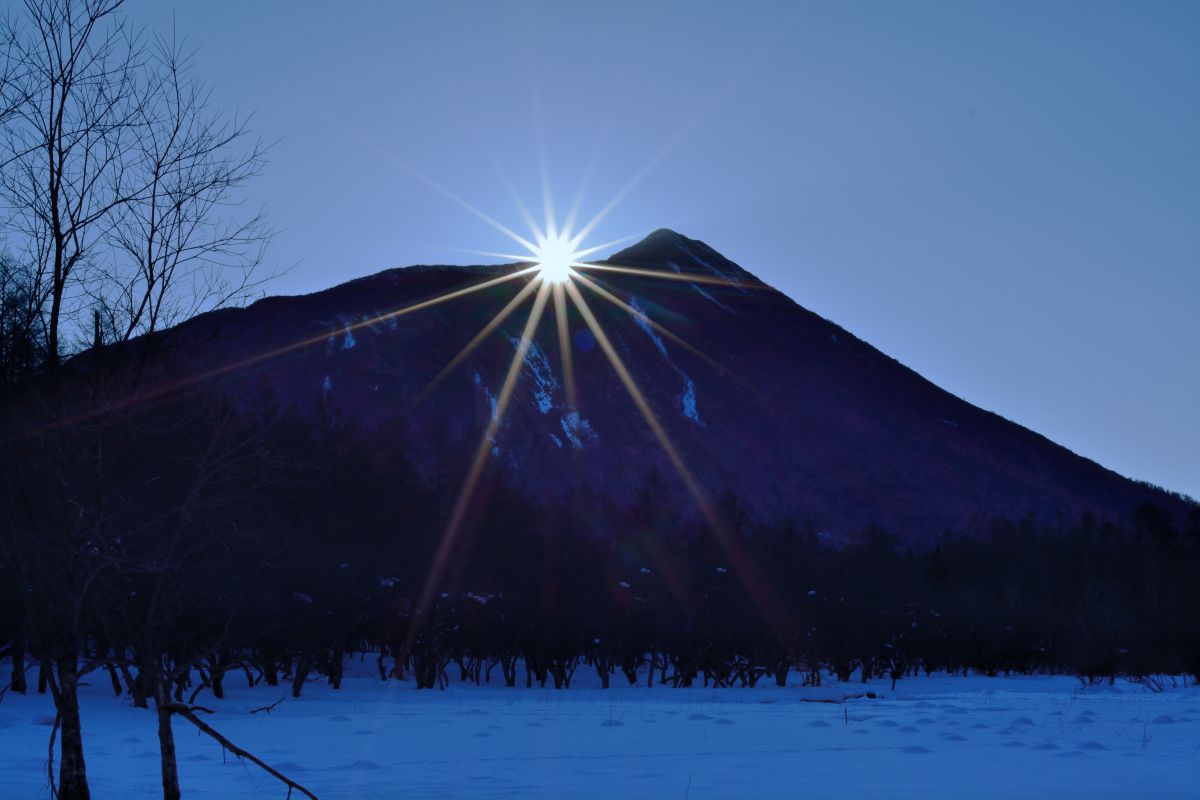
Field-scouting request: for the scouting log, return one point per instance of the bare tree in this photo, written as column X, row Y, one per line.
column 74, row 103
column 177, row 251
column 135, row 539
column 120, row 178
column 176, row 598
column 117, row 184
column 54, row 513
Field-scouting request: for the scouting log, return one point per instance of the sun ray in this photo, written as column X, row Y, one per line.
column 746, row 570
column 679, row 340
column 587, row 251
column 585, row 180
column 639, row 400
column 486, row 331
column 137, row 398
column 517, row 257
column 654, row 161
column 432, row 184
column 686, row 277
column 702, row 110
column 550, row 231
column 522, row 209
column 564, row 344
column 454, row 526
column 577, row 200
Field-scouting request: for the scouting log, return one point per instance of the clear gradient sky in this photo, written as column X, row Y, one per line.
column 1004, row 196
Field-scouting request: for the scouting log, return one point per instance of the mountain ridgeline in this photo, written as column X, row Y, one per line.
column 789, row 414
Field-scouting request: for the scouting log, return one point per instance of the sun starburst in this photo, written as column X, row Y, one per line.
column 555, row 257
column 555, row 270
column 553, row 266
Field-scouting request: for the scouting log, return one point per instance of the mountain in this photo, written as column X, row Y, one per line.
column 788, row 413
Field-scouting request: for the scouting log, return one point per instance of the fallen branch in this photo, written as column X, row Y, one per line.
column 868, row 695
column 269, row 708
column 189, row 713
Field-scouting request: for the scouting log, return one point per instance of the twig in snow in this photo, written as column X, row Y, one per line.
column 269, row 708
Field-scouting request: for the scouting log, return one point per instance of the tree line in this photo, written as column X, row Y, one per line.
column 201, row 539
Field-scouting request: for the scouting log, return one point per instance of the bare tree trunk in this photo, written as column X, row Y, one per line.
column 19, row 684
column 56, row 296
column 604, row 670
column 337, row 668
column 508, row 665
column 137, row 687
column 781, row 673
column 303, row 667
column 72, row 770
column 166, row 744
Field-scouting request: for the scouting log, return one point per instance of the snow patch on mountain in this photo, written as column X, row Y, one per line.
column 643, row 322
column 687, row 398
column 375, row 320
column 347, row 333
column 577, row 429
column 732, row 278
column 700, row 290
column 487, row 393
column 543, row 376
column 492, row 404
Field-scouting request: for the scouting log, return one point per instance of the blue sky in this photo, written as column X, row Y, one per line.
column 1004, row 196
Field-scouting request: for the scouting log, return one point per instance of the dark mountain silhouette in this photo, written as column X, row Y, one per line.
column 792, row 415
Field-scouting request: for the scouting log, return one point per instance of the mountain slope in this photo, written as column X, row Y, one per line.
column 785, row 410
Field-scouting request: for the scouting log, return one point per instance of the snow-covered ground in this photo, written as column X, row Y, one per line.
column 940, row 737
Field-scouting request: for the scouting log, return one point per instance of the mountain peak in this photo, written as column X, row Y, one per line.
column 665, row 249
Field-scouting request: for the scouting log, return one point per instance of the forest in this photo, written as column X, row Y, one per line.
column 173, row 546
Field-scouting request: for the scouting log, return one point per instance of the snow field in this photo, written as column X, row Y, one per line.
column 938, row 737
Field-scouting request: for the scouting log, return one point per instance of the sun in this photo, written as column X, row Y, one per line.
column 555, row 256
